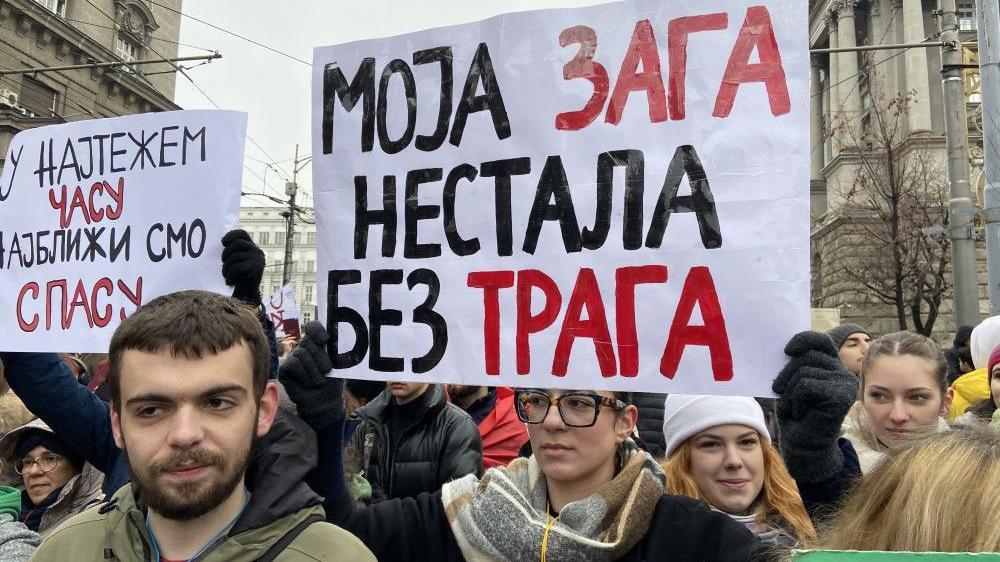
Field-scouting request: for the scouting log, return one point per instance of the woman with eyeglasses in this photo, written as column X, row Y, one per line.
column 587, row 493
column 57, row 482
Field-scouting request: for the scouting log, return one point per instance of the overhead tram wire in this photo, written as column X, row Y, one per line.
column 197, row 87
column 258, row 176
column 151, row 38
column 234, row 34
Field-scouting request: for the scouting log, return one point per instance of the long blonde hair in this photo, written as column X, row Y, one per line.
column 779, row 495
column 938, row 493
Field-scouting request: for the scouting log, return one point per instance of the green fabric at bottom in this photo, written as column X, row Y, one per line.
column 10, row 501
column 852, row 556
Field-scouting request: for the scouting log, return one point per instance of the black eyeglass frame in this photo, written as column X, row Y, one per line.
column 598, row 400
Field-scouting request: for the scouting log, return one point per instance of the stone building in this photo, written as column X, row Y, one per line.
column 844, row 90
column 49, row 33
column 267, row 227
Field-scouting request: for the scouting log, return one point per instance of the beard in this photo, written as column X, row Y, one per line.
column 188, row 500
column 460, row 391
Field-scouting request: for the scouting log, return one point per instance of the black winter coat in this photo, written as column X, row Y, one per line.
column 416, row 529
column 650, row 425
column 442, row 445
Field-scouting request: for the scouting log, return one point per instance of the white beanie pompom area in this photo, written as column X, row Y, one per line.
column 687, row 415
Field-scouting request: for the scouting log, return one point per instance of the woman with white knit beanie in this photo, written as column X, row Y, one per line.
column 719, row 450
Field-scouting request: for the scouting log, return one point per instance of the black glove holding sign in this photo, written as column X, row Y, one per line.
column 815, row 393
column 318, row 398
column 242, row 266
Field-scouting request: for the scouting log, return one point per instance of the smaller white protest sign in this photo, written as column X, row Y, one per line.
column 284, row 312
column 100, row 216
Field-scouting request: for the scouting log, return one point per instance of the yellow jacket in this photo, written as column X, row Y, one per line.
column 969, row 389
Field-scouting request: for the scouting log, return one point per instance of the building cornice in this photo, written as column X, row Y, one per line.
column 53, row 29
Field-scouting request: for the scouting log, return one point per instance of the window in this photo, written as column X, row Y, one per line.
column 265, row 238
column 54, row 6
column 967, row 16
column 279, row 238
column 275, row 288
column 126, row 50
column 310, row 267
column 37, row 98
column 311, row 238
column 306, row 317
column 309, row 293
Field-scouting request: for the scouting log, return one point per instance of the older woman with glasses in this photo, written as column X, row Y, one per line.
column 587, row 493
column 57, row 483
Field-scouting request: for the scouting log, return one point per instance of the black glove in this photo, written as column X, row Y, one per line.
column 242, row 266
column 319, row 399
column 815, row 393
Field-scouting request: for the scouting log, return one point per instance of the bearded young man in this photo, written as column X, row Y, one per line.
column 213, row 476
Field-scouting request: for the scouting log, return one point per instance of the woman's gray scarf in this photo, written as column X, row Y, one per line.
column 503, row 515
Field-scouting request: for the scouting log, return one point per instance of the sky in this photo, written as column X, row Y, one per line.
column 275, row 90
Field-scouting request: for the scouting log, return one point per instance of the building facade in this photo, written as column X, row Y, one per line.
column 267, row 227
column 53, row 33
column 845, row 87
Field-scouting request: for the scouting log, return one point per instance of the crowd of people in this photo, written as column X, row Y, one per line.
column 194, row 439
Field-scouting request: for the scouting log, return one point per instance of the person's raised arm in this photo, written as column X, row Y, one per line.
column 815, row 393
column 47, row 387
column 397, row 530
column 243, row 268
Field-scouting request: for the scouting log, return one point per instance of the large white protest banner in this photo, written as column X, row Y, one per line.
column 611, row 197
column 100, row 216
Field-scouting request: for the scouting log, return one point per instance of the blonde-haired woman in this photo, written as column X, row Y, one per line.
column 903, row 395
column 719, row 450
column 914, row 502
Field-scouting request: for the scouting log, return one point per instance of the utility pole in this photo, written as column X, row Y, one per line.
column 290, row 188
column 961, row 211
column 988, row 25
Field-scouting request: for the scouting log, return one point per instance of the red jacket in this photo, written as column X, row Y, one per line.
column 502, row 433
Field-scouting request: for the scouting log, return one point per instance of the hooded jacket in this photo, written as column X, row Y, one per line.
column 442, row 444
column 501, row 432
column 279, row 501
column 650, row 423
column 17, row 542
column 969, row 389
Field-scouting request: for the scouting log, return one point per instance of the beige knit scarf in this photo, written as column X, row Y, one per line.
column 503, row 515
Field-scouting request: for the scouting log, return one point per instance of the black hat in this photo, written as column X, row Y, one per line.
column 962, row 336
column 840, row 334
column 34, row 437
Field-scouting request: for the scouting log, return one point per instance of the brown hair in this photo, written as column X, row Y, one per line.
column 779, row 495
column 915, row 500
column 191, row 324
column 908, row 343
